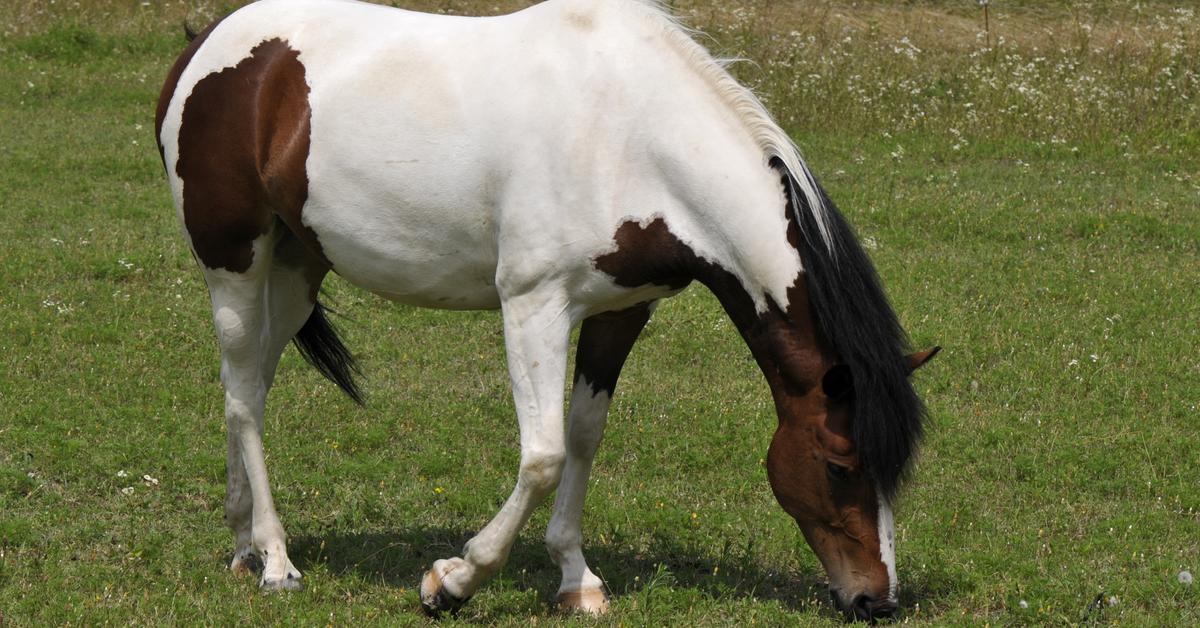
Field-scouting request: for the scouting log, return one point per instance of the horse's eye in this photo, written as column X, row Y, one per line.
column 836, row 471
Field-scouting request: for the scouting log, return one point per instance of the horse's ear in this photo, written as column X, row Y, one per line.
column 838, row 383
column 918, row 359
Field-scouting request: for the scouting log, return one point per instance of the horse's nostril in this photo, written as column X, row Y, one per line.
column 862, row 607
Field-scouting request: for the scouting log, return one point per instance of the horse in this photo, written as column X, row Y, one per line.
column 571, row 164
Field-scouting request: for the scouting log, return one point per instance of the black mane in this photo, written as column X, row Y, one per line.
column 854, row 317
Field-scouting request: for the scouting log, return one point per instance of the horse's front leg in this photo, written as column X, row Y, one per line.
column 537, row 330
column 604, row 342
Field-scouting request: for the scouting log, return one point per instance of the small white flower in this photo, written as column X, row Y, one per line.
column 1112, row 600
column 149, row 480
column 1185, row 577
column 122, row 474
column 1023, row 604
column 128, row 490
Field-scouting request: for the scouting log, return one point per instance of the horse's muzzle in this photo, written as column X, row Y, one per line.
column 864, row 607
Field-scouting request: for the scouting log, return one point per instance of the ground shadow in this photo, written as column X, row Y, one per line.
column 399, row 558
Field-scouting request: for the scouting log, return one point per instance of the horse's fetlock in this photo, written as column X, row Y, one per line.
column 561, row 540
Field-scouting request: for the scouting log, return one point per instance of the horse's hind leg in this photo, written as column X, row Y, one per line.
column 256, row 313
column 604, row 342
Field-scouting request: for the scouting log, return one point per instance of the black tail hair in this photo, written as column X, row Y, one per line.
column 318, row 342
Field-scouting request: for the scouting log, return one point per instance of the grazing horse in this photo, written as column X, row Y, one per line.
column 570, row 164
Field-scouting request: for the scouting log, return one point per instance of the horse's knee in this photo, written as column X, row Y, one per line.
column 241, row 410
column 232, row 328
column 541, row 470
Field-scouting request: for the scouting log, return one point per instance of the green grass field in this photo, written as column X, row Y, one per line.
column 1032, row 206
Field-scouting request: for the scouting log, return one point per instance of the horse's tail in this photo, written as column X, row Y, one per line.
column 190, row 31
column 318, row 342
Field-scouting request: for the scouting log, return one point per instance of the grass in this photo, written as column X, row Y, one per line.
column 1032, row 206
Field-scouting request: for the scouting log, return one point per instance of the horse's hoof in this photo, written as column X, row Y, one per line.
column 434, row 598
column 292, row 582
column 591, row 602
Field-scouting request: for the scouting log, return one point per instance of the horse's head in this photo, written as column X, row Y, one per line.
column 849, row 419
column 820, row 479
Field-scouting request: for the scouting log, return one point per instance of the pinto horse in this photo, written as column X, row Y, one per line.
column 570, row 164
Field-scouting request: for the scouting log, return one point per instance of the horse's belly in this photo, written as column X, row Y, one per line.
column 413, row 255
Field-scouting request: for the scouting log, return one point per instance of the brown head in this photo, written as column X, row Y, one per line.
column 849, row 419
column 820, row 479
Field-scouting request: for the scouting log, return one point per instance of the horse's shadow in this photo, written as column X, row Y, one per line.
column 399, row 559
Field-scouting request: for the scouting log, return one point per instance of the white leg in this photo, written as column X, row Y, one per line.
column 536, row 332
column 238, row 506
column 580, row 588
column 288, row 303
column 256, row 314
column 604, row 343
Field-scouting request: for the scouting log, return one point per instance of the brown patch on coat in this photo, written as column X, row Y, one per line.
column 651, row 254
column 783, row 342
column 243, row 145
column 172, row 80
column 648, row 255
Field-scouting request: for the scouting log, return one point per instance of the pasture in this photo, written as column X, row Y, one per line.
column 1031, row 197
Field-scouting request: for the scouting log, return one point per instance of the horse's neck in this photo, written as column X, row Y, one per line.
column 733, row 211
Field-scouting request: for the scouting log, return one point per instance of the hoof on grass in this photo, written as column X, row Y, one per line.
column 590, row 602
column 434, row 598
column 291, row 583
